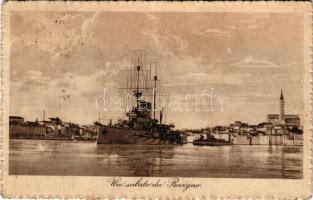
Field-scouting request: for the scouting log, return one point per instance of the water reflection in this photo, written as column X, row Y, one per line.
column 139, row 160
column 35, row 157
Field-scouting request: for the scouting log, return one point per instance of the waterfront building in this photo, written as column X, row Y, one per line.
column 56, row 120
column 273, row 118
column 26, row 131
column 89, row 131
column 20, row 129
column 279, row 129
column 292, row 120
column 73, row 130
column 265, row 128
column 16, row 120
column 45, row 122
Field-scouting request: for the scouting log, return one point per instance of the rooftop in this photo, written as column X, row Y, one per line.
column 273, row 115
column 16, row 117
column 292, row 116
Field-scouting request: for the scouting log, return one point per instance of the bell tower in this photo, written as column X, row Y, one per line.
column 282, row 108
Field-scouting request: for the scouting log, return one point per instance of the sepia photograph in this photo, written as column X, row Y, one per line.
column 156, row 94
column 169, row 94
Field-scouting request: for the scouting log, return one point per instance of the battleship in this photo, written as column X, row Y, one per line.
column 141, row 125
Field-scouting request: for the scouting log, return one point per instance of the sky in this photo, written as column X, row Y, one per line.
column 61, row 61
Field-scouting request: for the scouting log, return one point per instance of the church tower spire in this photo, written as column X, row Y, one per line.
column 282, row 107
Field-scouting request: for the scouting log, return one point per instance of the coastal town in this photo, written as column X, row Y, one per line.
column 277, row 129
column 52, row 129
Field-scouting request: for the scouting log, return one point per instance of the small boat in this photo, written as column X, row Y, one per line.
column 211, row 141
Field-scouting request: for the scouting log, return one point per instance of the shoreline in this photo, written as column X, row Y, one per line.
column 202, row 143
column 45, row 138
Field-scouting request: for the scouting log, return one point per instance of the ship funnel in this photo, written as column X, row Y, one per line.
column 161, row 115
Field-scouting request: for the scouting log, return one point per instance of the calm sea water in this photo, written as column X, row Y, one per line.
column 47, row 157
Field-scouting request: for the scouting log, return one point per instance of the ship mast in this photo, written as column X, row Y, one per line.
column 137, row 83
column 138, row 57
column 138, row 93
column 155, row 79
column 154, row 95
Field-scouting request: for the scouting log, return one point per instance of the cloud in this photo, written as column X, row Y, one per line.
column 155, row 20
column 205, row 78
column 49, row 31
column 257, row 97
column 254, row 26
column 252, row 62
column 213, row 32
column 36, row 76
column 69, row 96
column 247, row 21
column 65, row 58
column 252, row 23
column 229, row 50
column 166, row 45
column 217, row 32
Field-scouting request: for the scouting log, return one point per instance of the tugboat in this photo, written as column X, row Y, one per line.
column 140, row 127
column 210, row 141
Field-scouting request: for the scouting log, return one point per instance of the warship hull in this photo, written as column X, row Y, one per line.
column 119, row 135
